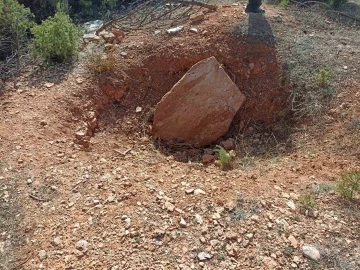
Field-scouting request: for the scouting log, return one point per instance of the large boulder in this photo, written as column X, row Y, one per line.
column 200, row 107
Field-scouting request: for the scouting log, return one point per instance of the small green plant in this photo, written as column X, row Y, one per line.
column 55, row 39
column 308, row 201
column 323, row 77
column 284, row 3
column 349, row 184
column 224, row 157
column 98, row 62
column 238, row 213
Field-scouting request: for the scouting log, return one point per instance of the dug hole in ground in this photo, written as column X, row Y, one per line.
column 85, row 186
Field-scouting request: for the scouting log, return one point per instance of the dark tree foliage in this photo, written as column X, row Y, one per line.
column 79, row 10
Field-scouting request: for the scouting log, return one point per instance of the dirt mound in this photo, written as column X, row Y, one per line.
column 153, row 63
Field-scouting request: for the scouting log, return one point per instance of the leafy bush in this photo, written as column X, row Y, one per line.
column 349, row 184
column 15, row 19
column 14, row 16
column 55, row 39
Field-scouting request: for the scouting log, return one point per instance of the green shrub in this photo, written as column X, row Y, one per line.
column 14, row 17
column 55, row 39
column 349, row 184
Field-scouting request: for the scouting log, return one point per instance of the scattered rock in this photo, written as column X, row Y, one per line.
column 293, row 241
column 232, row 250
column 169, row 206
column 194, row 30
column 206, row 158
column 213, row 97
column 82, row 245
column 269, row 263
column 42, row 255
column 43, row 123
column 229, row 144
column 203, row 256
column 291, row 204
column 175, row 30
column 90, row 37
column 231, row 236
column 182, row 223
column 79, row 80
column 189, row 191
column 81, row 135
column 56, row 241
column 198, row 219
column 29, row 181
column 216, row 216
column 255, row 218
column 311, row 252
column 196, row 18
column 92, row 26
column 199, row 191
column 107, row 36
column 119, row 35
column 49, row 85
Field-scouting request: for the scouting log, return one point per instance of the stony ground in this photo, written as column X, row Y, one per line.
column 123, row 204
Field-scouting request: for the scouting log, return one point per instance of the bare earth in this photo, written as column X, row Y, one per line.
column 136, row 208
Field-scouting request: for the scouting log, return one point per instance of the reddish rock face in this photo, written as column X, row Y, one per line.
column 200, row 107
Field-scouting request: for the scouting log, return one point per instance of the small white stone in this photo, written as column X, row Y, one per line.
column 42, row 255
column 202, row 256
column 169, row 206
column 29, row 181
column 82, row 245
column 291, row 204
column 199, row 191
column 96, row 202
column 198, row 219
column 311, row 252
column 182, row 223
column 255, row 218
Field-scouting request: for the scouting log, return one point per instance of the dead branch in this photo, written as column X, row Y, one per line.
column 123, row 153
column 36, row 198
column 149, row 14
column 196, row 3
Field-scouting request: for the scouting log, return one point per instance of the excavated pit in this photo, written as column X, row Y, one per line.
column 153, row 64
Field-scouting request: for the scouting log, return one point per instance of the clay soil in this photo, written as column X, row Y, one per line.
column 144, row 204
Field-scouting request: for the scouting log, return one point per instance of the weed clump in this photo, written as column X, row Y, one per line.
column 308, row 202
column 225, row 157
column 323, row 77
column 349, row 184
column 98, row 62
